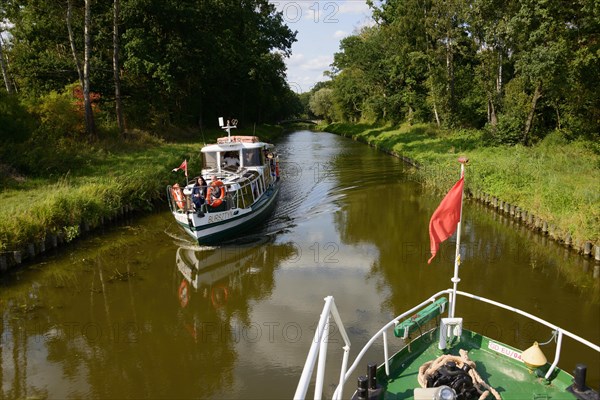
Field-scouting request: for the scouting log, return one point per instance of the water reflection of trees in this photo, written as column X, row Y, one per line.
column 395, row 218
column 106, row 322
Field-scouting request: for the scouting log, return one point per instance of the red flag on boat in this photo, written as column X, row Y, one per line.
column 183, row 166
column 446, row 217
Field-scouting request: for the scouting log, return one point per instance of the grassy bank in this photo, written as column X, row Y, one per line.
column 107, row 176
column 557, row 180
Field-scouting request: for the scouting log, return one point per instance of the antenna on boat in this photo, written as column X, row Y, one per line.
column 232, row 124
column 455, row 279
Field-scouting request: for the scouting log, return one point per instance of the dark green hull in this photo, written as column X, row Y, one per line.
column 260, row 210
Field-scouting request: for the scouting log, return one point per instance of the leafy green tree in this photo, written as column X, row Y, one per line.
column 488, row 22
column 578, row 114
column 539, row 32
column 321, row 104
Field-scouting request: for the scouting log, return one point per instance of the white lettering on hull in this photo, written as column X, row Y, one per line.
column 220, row 217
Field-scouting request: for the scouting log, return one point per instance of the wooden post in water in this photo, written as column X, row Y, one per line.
column 587, row 249
column 30, row 250
column 53, row 240
column 42, row 246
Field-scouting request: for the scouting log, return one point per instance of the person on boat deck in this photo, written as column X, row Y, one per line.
column 231, row 159
column 199, row 193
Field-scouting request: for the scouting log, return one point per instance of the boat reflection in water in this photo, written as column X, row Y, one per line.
column 218, row 283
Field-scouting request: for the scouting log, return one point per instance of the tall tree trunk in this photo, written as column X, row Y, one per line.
column 492, row 110
column 116, row 69
column 9, row 88
column 499, row 78
column 432, row 88
column 536, row 96
column 450, row 73
column 89, row 116
column 72, row 42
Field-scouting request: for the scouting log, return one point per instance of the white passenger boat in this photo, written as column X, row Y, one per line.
column 242, row 175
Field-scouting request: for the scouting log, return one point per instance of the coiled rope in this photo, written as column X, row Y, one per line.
column 430, row 367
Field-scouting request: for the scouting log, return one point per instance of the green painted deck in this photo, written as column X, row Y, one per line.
column 510, row 377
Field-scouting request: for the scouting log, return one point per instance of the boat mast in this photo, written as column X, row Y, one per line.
column 232, row 124
column 455, row 279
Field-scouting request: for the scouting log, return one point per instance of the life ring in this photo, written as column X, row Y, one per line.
column 177, row 195
column 213, row 198
column 218, row 296
column 184, row 293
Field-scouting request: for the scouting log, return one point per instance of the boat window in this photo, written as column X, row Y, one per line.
column 252, row 157
column 210, row 160
column 231, row 159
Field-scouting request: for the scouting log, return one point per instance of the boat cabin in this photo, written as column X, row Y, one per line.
column 234, row 155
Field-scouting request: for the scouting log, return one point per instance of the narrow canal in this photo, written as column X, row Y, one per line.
column 139, row 311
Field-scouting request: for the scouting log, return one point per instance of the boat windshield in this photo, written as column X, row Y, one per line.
column 253, row 157
column 209, row 160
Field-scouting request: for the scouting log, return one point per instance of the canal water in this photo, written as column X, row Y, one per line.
column 140, row 311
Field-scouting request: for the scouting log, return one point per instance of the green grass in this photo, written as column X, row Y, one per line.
column 557, row 180
column 107, row 176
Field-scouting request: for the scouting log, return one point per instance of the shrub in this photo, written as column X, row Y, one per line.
column 59, row 117
column 16, row 123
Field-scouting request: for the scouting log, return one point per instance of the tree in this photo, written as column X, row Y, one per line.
column 116, row 67
column 488, row 22
column 72, row 43
column 538, row 35
column 321, row 103
column 3, row 63
column 90, row 126
column 5, row 75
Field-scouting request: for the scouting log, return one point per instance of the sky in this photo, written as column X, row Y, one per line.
column 320, row 25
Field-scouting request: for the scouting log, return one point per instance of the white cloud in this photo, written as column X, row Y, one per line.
column 318, row 63
column 295, row 60
column 353, row 7
column 340, row 34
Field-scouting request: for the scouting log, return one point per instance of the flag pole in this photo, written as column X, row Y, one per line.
column 455, row 279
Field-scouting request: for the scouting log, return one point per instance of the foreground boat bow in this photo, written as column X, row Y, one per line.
column 446, row 361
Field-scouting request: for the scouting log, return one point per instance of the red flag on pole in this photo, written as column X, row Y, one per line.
column 183, row 166
column 446, row 217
